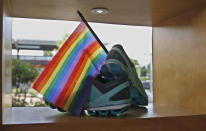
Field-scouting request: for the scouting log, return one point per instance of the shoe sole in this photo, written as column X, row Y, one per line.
column 113, row 112
column 108, row 107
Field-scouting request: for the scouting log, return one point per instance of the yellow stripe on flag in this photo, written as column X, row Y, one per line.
column 62, row 61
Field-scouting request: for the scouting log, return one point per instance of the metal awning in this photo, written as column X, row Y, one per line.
column 22, row 44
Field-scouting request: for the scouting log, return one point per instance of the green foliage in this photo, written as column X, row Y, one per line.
column 40, row 104
column 144, row 71
column 17, row 90
column 18, row 103
column 144, row 78
column 135, row 62
column 149, row 68
column 23, row 72
column 48, row 53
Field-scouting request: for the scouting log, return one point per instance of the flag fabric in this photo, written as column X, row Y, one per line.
column 66, row 81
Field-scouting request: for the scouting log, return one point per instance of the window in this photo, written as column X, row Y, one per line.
column 31, row 35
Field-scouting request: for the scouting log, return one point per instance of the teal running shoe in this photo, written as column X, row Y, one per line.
column 119, row 64
column 108, row 97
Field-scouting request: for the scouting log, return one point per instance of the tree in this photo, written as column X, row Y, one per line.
column 48, row 53
column 135, row 62
column 23, row 72
column 144, row 71
column 149, row 68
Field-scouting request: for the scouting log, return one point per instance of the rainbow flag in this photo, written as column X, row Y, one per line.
column 67, row 79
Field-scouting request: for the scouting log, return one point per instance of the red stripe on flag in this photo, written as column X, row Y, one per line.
column 43, row 78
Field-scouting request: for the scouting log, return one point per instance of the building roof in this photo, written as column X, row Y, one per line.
column 34, row 44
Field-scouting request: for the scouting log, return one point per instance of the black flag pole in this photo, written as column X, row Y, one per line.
column 84, row 20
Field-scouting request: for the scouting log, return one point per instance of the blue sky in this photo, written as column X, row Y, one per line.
column 136, row 40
